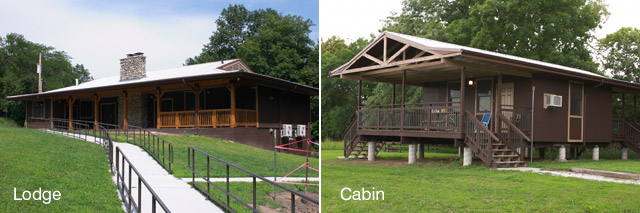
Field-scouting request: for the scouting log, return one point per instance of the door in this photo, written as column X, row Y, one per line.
column 576, row 111
column 506, row 101
column 108, row 113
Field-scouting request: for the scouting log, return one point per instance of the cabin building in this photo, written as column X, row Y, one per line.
column 223, row 99
column 493, row 105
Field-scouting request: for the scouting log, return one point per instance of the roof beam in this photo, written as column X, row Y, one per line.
column 374, row 59
column 486, row 68
column 397, row 63
column 400, row 68
column 394, row 56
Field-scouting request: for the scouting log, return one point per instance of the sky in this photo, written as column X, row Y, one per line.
column 98, row 33
column 338, row 17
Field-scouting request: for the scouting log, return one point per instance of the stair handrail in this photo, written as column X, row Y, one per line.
column 512, row 132
column 514, row 127
column 347, row 149
column 473, row 127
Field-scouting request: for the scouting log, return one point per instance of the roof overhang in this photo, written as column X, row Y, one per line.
column 263, row 79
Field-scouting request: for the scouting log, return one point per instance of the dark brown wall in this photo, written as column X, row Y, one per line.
column 277, row 106
column 522, row 90
column 550, row 125
column 434, row 92
column 598, row 113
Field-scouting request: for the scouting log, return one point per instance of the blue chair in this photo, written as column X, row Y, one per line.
column 485, row 119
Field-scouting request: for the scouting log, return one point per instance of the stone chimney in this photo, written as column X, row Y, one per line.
column 133, row 66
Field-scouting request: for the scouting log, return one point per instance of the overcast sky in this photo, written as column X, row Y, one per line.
column 99, row 33
column 341, row 18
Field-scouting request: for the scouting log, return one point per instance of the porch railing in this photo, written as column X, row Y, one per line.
column 513, row 136
column 208, row 118
column 423, row 117
column 479, row 138
column 617, row 128
column 519, row 117
column 214, row 162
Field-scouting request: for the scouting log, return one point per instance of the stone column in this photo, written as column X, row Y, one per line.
column 468, row 155
column 412, row 153
column 562, row 154
column 526, row 152
column 421, row 151
column 596, row 153
column 625, row 151
column 371, row 152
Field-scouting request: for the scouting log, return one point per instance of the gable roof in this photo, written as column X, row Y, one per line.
column 211, row 70
column 449, row 50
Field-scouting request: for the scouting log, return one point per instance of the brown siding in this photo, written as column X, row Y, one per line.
column 598, row 114
column 277, row 106
column 550, row 125
column 434, row 92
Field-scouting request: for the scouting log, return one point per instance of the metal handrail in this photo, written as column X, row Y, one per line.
column 125, row 192
column 102, row 134
column 191, row 164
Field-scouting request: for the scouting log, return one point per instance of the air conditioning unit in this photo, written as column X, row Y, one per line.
column 551, row 100
column 287, row 131
column 301, row 130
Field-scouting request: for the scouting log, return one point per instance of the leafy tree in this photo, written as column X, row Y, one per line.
column 620, row 52
column 620, row 56
column 270, row 43
column 551, row 31
column 18, row 60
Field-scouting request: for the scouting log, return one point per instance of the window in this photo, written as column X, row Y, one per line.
column 38, row 109
column 453, row 92
column 576, row 99
column 166, row 105
column 86, row 109
column 483, row 101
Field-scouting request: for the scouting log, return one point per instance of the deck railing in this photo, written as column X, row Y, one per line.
column 512, row 136
column 518, row 116
column 423, row 117
column 208, row 118
column 617, row 129
column 480, row 138
column 205, row 173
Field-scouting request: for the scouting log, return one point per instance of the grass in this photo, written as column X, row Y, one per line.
column 6, row 122
column 609, row 160
column 244, row 192
column 32, row 159
column 253, row 159
column 425, row 187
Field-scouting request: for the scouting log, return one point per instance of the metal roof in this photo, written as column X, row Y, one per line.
column 205, row 70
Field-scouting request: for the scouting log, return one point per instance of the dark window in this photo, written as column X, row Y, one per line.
column 38, row 109
column 166, row 105
column 484, row 96
column 576, row 99
column 190, row 101
column 453, row 95
column 86, row 109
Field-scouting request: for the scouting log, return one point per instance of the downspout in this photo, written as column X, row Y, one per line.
column 533, row 98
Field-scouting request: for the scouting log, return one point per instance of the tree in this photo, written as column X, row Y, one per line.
column 18, row 60
column 270, row 43
column 620, row 54
column 551, row 31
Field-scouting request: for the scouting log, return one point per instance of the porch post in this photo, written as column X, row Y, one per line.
column 623, row 114
column 635, row 117
column 498, row 94
column 125, row 121
column 233, row 105
column 159, row 93
column 462, row 109
column 358, row 104
column 197, row 97
column 70, row 101
column 393, row 96
column 96, row 99
column 50, row 113
column 404, row 86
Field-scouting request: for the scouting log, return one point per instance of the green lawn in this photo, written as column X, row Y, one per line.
column 32, row 159
column 609, row 160
column 450, row 187
column 244, row 191
column 253, row 159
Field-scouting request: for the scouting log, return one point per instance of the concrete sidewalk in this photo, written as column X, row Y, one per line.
column 176, row 194
column 573, row 174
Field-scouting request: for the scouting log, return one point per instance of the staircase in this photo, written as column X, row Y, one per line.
column 495, row 151
column 631, row 136
column 361, row 149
